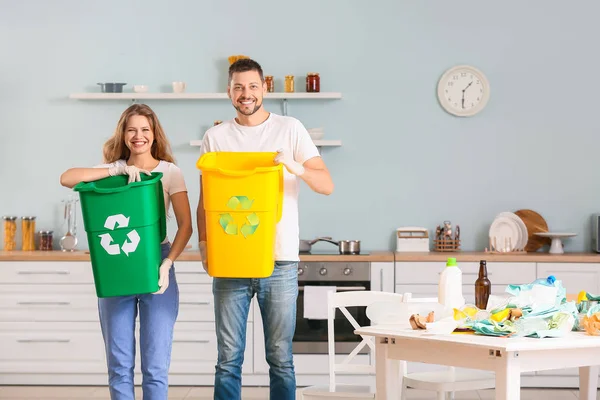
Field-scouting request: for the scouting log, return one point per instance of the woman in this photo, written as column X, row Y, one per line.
column 139, row 145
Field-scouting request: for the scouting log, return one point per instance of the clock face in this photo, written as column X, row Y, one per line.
column 463, row 91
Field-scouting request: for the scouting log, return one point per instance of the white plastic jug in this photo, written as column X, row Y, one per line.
column 450, row 286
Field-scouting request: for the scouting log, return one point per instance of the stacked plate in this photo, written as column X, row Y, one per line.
column 508, row 233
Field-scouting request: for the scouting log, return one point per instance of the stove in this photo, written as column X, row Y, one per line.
column 330, row 253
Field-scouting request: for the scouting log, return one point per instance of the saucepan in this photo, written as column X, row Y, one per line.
column 346, row 246
column 306, row 245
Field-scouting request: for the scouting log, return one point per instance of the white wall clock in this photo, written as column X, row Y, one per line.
column 463, row 90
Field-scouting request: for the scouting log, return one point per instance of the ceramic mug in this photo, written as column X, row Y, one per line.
column 178, row 87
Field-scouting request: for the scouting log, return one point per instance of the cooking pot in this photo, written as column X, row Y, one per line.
column 306, row 245
column 346, row 246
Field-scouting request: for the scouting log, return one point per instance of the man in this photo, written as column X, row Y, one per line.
column 255, row 130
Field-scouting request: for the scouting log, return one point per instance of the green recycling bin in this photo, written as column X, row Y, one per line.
column 125, row 225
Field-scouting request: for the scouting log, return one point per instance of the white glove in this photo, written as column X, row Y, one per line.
column 287, row 159
column 131, row 170
column 163, row 276
column 203, row 256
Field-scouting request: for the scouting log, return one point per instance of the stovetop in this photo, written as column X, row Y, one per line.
column 330, row 253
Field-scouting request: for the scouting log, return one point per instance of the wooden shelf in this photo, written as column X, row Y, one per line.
column 198, row 96
column 318, row 143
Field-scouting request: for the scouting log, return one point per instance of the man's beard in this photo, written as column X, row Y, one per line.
column 257, row 107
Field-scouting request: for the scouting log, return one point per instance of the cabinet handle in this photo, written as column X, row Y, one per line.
column 191, row 341
column 43, row 340
column 381, row 280
column 43, row 273
column 45, row 303
column 196, row 303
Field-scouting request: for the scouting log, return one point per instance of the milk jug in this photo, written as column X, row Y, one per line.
column 450, row 286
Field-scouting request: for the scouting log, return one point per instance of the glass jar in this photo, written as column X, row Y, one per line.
column 45, row 240
column 270, row 83
column 289, row 83
column 28, row 233
column 313, row 82
column 10, row 233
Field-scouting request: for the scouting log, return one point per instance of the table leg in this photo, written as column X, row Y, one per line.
column 388, row 379
column 588, row 382
column 508, row 379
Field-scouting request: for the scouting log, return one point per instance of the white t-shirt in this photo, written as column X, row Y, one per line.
column 277, row 132
column 172, row 182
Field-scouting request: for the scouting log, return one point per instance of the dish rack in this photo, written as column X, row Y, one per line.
column 499, row 249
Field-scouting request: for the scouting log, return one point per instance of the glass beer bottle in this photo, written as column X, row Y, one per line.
column 483, row 287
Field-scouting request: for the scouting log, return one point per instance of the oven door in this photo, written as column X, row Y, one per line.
column 310, row 336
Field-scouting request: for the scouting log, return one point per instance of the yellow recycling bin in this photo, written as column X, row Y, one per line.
column 243, row 199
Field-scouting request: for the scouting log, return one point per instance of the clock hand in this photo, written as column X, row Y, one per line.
column 468, row 86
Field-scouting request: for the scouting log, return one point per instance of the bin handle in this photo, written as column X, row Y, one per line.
column 91, row 186
column 280, row 203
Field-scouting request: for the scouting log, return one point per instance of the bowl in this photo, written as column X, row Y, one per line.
column 316, row 133
column 140, row 88
column 112, row 87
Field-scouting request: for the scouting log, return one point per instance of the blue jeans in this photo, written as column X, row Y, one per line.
column 276, row 297
column 158, row 313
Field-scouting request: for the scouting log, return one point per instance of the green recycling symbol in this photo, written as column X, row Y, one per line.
column 250, row 224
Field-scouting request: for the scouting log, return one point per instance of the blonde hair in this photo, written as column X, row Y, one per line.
column 115, row 149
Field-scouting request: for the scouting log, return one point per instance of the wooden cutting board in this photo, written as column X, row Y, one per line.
column 535, row 223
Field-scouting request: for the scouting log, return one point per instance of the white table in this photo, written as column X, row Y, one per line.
column 507, row 357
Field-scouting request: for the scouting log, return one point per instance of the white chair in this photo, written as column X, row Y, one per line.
column 447, row 381
column 342, row 300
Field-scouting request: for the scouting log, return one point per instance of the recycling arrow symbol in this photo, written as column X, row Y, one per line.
column 251, row 221
column 106, row 240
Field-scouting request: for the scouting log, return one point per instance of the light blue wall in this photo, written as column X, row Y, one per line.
column 404, row 161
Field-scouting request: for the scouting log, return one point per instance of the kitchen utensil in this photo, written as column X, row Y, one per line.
column 306, row 245
column 69, row 241
column 556, row 247
column 346, row 246
column 534, row 223
column 111, row 87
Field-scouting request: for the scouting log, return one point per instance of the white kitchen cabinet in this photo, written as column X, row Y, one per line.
column 382, row 276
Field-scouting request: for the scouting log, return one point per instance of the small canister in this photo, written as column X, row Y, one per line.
column 28, row 233
column 270, row 83
column 313, row 82
column 10, row 233
column 45, row 240
column 289, row 83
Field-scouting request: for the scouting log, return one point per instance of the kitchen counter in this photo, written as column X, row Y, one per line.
column 188, row 255
column 466, row 256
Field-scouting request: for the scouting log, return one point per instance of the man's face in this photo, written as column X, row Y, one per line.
column 246, row 92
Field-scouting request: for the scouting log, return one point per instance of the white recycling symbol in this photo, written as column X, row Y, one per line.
column 106, row 239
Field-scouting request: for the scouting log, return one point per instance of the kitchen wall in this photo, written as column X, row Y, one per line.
column 404, row 161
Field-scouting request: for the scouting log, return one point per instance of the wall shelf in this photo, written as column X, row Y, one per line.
column 318, row 143
column 198, row 96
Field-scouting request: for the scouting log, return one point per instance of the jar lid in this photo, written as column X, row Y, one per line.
column 45, row 232
column 289, row 76
column 268, row 76
column 28, row 218
column 9, row 218
column 312, row 74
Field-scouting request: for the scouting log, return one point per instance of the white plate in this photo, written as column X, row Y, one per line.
column 503, row 228
column 521, row 224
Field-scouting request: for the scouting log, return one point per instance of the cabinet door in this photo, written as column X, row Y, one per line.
column 382, row 276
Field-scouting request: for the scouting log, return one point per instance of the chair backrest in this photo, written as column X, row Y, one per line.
column 408, row 298
column 342, row 300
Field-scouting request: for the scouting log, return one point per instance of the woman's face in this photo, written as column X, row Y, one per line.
column 138, row 135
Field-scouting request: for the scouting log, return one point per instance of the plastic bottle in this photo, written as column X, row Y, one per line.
column 450, row 286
